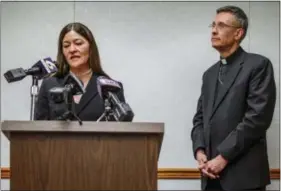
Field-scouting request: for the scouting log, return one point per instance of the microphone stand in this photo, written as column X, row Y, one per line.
column 107, row 112
column 33, row 93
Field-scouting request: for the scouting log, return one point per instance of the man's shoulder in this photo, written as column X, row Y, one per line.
column 255, row 60
column 210, row 68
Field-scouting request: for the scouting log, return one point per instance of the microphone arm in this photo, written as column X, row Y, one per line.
column 113, row 97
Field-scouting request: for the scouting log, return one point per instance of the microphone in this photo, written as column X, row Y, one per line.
column 106, row 85
column 107, row 90
column 72, row 86
column 40, row 69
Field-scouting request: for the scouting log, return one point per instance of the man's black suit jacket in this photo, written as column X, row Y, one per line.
column 90, row 107
column 238, row 121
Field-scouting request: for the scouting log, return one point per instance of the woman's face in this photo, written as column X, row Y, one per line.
column 76, row 50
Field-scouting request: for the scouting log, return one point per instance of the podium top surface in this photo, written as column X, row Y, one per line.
column 8, row 127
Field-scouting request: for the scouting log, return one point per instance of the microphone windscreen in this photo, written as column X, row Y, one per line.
column 46, row 67
column 105, row 84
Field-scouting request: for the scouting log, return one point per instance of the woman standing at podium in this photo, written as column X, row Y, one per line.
column 77, row 54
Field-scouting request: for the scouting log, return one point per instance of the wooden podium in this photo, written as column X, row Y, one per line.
column 61, row 155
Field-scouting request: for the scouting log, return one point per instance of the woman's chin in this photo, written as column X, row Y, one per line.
column 76, row 65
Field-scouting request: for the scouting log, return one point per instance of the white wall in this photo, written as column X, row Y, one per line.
column 150, row 47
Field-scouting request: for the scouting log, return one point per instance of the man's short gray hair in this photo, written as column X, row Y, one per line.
column 239, row 14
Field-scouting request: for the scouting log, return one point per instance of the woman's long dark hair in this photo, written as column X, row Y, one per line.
column 94, row 58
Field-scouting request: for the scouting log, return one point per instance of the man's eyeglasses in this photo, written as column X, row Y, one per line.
column 221, row 26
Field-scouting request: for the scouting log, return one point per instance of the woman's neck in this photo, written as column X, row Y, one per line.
column 83, row 74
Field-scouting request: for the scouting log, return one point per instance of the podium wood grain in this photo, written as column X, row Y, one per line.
column 50, row 160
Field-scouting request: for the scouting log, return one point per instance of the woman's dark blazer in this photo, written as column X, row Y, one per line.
column 90, row 107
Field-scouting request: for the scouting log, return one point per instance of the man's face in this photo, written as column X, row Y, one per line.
column 225, row 31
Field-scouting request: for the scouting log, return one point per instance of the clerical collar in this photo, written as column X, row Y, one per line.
column 231, row 58
column 223, row 61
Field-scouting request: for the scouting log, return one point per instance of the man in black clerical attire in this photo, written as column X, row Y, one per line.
column 234, row 110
